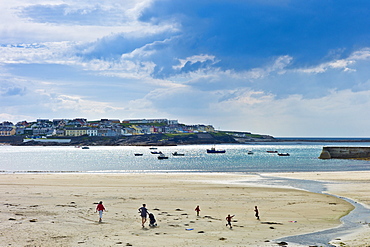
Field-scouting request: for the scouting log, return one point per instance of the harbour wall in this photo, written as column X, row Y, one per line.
column 345, row 153
column 47, row 140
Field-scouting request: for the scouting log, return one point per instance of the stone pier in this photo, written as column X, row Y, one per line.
column 345, row 153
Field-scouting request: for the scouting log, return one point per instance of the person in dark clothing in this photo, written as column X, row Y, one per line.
column 143, row 213
column 197, row 209
column 228, row 219
column 256, row 212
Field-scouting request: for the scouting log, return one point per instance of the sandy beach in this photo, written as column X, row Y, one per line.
column 59, row 209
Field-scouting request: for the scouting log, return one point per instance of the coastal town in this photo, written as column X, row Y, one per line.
column 102, row 127
column 141, row 131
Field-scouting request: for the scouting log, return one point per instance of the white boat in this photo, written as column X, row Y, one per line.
column 214, row 151
column 177, row 154
column 283, row 154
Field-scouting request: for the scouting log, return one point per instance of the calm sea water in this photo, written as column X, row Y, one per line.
column 303, row 157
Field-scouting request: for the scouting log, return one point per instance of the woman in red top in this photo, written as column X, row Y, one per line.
column 100, row 208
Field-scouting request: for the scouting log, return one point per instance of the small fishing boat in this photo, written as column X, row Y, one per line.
column 214, row 151
column 250, row 152
column 155, row 152
column 283, row 154
column 272, row 152
column 138, row 154
column 177, row 154
column 162, row 157
column 85, row 148
column 152, row 148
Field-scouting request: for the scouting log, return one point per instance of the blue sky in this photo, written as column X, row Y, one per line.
column 277, row 67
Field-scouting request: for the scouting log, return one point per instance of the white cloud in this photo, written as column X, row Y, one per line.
column 139, row 5
column 194, row 59
column 296, row 116
column 248, row 97
column 216, row 74
column 14, row 118
column 75, row 103
column 48, row 52
column 344, row 64
column 18, row 29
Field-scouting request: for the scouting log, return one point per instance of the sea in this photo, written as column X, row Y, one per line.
column 121, row 159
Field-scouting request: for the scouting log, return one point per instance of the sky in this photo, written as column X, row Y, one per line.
column 286, row 68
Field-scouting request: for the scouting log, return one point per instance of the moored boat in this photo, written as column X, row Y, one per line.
column 155, row 152
column 250, row 152
column 214, row 151
column 283, row 154
column 138, row 154
column 85, row 148
column 162, row 157
column 273, row 152
column 177, row 154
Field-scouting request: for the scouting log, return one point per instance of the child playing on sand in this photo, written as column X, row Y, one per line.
column 256, row 213
column 228, row 219
column 197, row 209
column 100, row 208
column 143, row 213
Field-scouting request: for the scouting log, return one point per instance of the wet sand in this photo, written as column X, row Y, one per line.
column 59, row 209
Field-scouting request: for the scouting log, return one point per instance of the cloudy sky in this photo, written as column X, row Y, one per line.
column 277, row 67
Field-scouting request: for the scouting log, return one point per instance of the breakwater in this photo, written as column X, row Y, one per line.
column 345, row 153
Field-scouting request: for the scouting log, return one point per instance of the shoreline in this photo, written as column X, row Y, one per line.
column 348, row 186
column 221, row 191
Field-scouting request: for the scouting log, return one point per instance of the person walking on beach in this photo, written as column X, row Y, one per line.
column 228, row 219
column 100, row 207
column 197, row 209
column 256, row 213
column 143, row 213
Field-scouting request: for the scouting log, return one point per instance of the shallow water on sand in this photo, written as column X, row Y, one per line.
column 350, row 223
